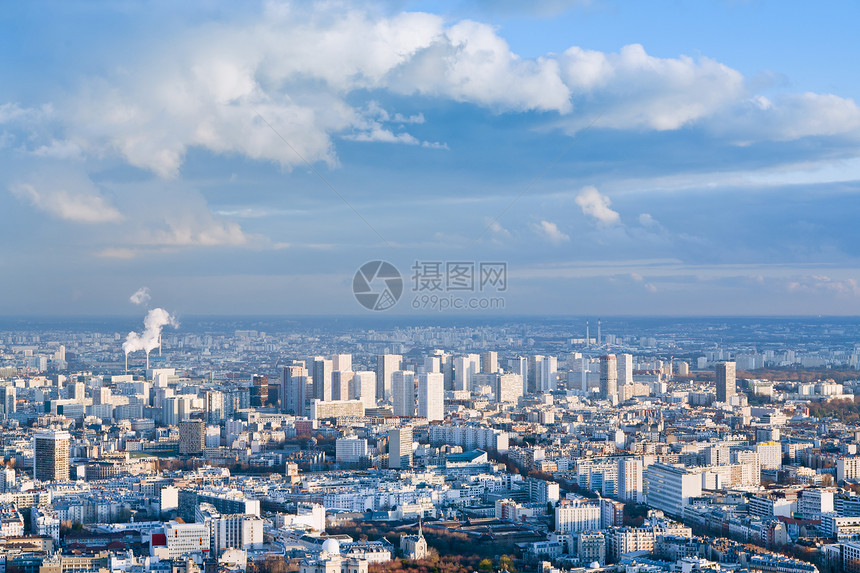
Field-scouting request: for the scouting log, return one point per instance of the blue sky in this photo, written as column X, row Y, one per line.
column 660, row 158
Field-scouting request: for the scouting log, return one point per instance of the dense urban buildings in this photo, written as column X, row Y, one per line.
column 656, row 444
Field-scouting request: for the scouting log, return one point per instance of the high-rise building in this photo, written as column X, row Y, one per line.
column 508, row 388
column 192, row 437
column 259, row 391
column 215, row 413
column 532, row 383
column 386, row 366
column 625, row 369
column 175, row 409
column 546, row 374
column 294, row 389
column 342, row 362
column 465, row 367
column 322, row 369
column 630, row 480
column 341, row 382
column 670, row 488
column 432, row 364
column 431, row 396
column 726, row 383
column 364, row 388
column 490, row 362
column 400, row 448
column 51, row 455
column 608, row 377
column 8, row 399
column 403, row 392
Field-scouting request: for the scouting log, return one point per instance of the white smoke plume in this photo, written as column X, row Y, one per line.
column 155, row 320
column 141, row 296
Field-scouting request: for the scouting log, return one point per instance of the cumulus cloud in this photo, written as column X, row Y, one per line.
column 788, row 117
column 631, row 89
column 550, row 232
column 75, row 206
column 300, row 72
column 140, row 296
column 596, row 205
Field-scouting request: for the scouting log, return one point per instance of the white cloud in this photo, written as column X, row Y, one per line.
column 824, row 284
column 140, row 296
column 550, row 232
column 646, row 220
column 116, row 253
column 195, row 230
column 631, row 89
column 303, row 68
column 788, row 117
column 596, row 205
column 76, row 206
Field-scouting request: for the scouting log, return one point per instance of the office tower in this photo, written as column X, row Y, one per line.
column 51, row 455
column 364, row 388
column 294, row 389
column 76, row 391
column 386, row 365
column 431, row 396
column 259, row 391
column 322, row 378
column 669, row 488
column 170, row 411
column 625, row 369
column 465, row 367
column 546, row 374
column 192, row 437
column 161, row 394
column 608, row 377
column 342, row 362
column 630, row 480
column 101, row 396
column 215, row 413
column 520, row 365
column 341, row 381
column 433, row 364
column 176, row 409
column 490, row 362
column 8, row 401
column 446, row 364
column 400, row 448
column 532, row 384
column 508, row 388
column 726, row 381
column 403, row 392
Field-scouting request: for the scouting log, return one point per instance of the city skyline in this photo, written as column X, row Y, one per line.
column 678, row 158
